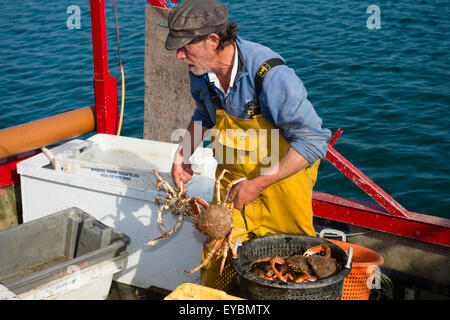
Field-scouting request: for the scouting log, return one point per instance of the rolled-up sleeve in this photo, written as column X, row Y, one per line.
column 285, row 97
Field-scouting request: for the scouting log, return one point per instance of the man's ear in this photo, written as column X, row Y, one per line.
column 214, row 39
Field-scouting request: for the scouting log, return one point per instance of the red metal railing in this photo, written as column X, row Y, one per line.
column 8, row 170
column 388, row 216
column 362, row 181
column 372, row 216
column 105, row 86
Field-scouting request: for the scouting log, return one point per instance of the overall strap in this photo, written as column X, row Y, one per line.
column 262, row 71
column 214, row 96
column 254, row 107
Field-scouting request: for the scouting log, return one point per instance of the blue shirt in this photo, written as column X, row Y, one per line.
column 283, row 100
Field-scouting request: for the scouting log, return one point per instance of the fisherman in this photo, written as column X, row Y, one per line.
column 261, row 124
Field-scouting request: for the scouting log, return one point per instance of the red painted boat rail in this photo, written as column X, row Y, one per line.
column 105, row 86
column 362, row 181
column 417, row 226
column 388, row 216
column 8, row 169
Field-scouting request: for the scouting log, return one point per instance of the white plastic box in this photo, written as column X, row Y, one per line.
column 125, row 204
column 64, row 255
column 6, row 294
column 91, row 283
column 124, row 161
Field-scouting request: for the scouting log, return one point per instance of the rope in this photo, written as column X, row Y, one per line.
column 119, row 127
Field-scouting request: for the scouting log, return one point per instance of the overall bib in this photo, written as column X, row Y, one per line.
column 246, row 147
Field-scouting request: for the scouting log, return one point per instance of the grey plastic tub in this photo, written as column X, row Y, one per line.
column 40, row 251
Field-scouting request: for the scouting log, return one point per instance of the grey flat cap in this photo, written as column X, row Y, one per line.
column 192, row 18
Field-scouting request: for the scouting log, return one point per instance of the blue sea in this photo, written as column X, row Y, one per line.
column 384, row 79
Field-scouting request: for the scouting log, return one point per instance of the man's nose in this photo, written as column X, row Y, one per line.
column 181, row 54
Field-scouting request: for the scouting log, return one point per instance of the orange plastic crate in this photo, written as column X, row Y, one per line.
column 364, row 263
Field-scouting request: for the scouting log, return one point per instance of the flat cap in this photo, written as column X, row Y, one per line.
column 193, row 18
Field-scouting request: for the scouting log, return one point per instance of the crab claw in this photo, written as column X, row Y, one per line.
column 274, row 261
column 317, row 249
column 305, row 278
column 194, row 201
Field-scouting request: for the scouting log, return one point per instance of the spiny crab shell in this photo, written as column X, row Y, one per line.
column 214, row 221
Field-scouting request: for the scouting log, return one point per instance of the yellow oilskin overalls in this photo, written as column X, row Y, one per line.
column 244, row 146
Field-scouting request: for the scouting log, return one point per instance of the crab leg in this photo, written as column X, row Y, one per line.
column 160, row 219
column 231, row 207
column 167, row 233
column 208, row 242
column 180, row 193
column 230, row 243
column 260, row 260
column 193, row 202
column 227, row 244
column 224, row 249
column 219, row 178
column 208, row 257
column 262, row 274
column 164, row 183
column 163, row 227
column 230, row 185
column 305, row 278
column 196, row 209
column 318, row 249
column 273, row 261
column 275, row 270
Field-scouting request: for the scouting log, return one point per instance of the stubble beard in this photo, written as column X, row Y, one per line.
column 199, row 72
column 196, row 70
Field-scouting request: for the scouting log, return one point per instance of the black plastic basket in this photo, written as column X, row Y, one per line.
column 257, row 288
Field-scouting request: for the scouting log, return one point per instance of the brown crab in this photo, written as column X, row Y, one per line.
column 215, row 221
column 322, row 266
column 310, row 266
column 293, row 268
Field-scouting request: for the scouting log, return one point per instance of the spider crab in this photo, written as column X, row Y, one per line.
column 299, row 268
column 215, row 221
column 177, row 201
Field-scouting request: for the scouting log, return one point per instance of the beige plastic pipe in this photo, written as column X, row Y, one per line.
column 40, row 133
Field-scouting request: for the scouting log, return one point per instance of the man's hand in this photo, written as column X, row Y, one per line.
column 245, row 193
column 248, row 190
column 181, row 167
column 181, row 171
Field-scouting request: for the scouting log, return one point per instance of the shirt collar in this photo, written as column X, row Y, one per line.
column 213, row 77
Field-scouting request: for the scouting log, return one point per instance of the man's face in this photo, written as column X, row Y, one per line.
column 197, row 56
